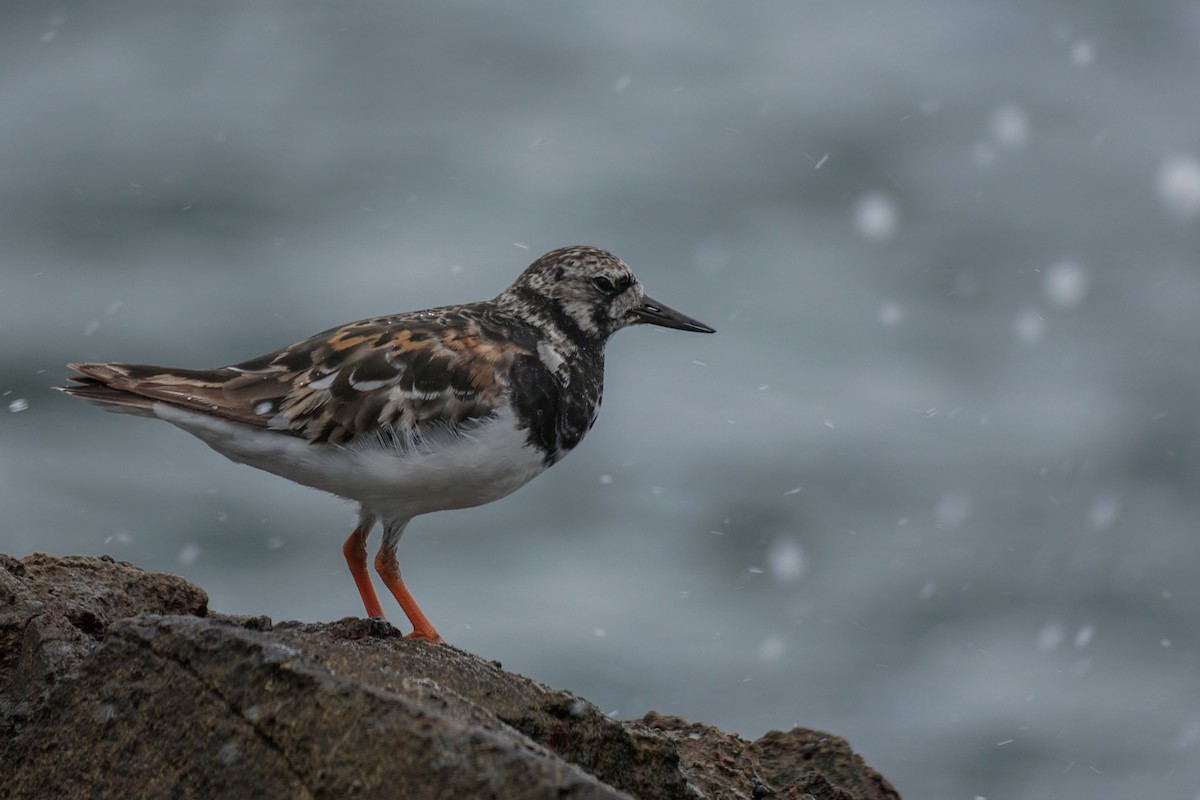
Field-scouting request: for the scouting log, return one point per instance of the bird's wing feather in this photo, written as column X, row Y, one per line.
column 397, row 376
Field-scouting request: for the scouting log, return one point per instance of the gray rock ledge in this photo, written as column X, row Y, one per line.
column 116, row 682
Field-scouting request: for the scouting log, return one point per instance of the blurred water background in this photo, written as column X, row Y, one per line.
column 933, row 485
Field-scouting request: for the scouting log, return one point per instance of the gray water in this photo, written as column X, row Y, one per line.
column 932, row 486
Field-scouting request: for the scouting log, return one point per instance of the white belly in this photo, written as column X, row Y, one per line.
column 446, row 471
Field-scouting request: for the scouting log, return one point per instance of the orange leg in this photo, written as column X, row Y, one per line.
column 355, row 551
column 389, row 571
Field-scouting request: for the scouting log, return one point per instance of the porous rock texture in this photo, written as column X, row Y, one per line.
column 116, row 682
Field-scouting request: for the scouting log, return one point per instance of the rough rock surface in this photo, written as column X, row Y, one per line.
column 116, row 682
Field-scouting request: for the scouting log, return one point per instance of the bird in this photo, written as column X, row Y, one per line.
column 413, row 413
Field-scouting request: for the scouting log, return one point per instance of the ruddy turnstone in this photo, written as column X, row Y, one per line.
column 422, row 411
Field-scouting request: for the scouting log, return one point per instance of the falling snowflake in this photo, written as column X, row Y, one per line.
column 1083, row 53
column 786, row 560
column 952, row 510
column 1178, row 186
column 188, row 554
column 1066, row 283
column 876, row 216
column 1029, row 326
column 890, row 314
column 771, row 649
column 1103, row 512
column 1009, row 127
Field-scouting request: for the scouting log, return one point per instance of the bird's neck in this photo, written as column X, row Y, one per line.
column 555, row 325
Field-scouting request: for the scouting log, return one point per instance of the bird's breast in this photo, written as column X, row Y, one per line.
column 556, row 407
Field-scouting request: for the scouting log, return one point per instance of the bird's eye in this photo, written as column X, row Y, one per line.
column 603, row 284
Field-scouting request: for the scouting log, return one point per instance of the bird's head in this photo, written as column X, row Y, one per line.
column 593, row 291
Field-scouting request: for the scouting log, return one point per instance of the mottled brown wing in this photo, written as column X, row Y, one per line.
column 398, row 375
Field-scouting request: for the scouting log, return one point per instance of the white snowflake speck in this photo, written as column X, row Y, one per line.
column 786, row 559
column 1066, row 283
column 1103, row 512
column 1083, row 53
column 188, row 554
column 1050, row 637
column 1084, row 637
column 230, row 752
column 1029, row 326
column 890, row 314
column 1009, row 127
column 1178, row 185
column 952, row 509
column 771, row 649
column 877, row 216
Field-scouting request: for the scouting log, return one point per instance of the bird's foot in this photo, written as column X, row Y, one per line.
column 430, row 636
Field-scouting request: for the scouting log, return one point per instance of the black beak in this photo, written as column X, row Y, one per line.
column 652, row 312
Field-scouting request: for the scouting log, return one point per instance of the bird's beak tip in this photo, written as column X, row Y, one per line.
column 652, row 312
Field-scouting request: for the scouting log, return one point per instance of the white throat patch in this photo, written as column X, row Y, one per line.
column 554, row 362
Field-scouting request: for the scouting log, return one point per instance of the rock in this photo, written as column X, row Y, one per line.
column 119, row 682
column 55, row 611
